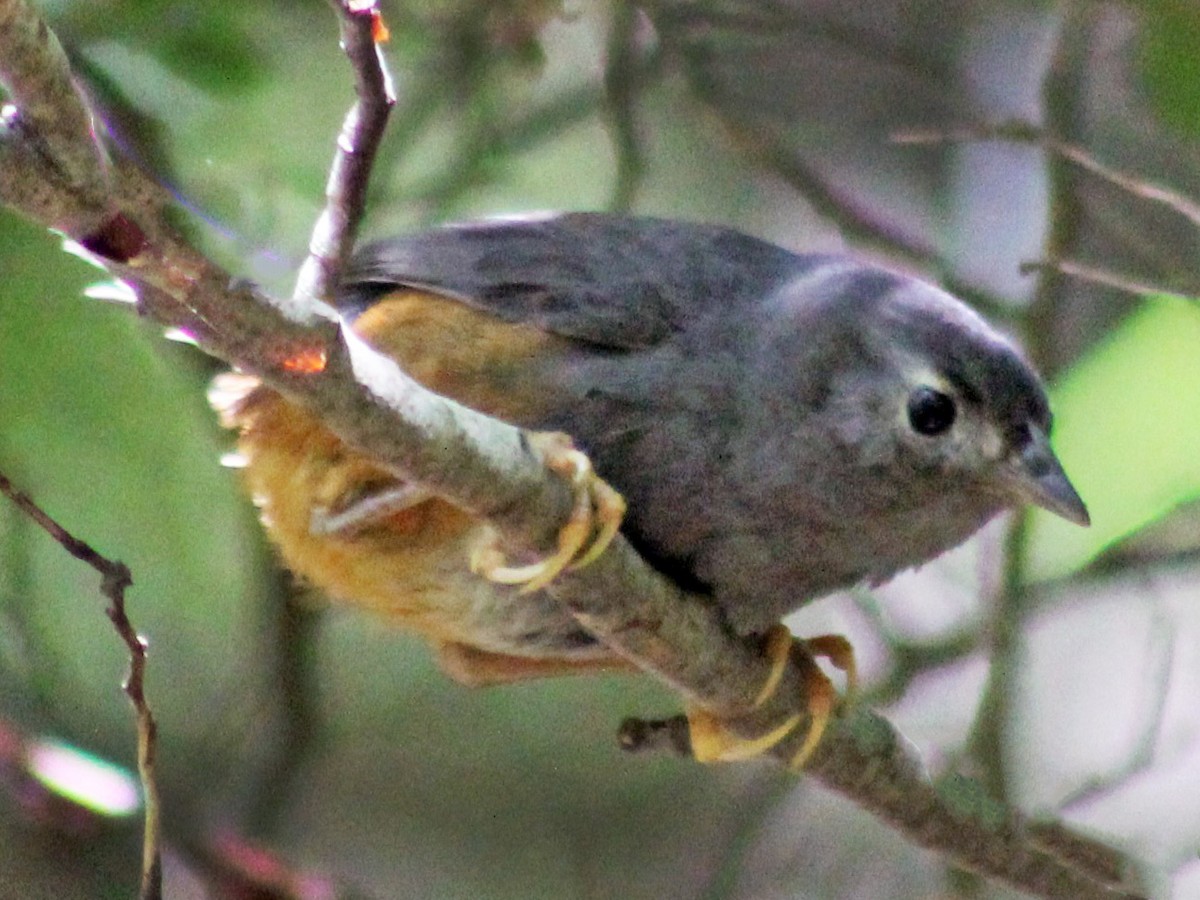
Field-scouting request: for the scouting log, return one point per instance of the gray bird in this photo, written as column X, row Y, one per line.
column 781, row 425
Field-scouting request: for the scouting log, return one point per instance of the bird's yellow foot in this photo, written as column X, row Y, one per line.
column 712, row 741
column 595, row 517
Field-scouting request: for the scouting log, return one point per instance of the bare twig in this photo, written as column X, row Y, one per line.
column 346, row 192
column 1131, row 184
column 1025, row 133
column 115, row 579
column 488, row 468
column 1101, row 276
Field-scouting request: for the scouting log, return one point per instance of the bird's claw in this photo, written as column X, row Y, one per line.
column 712, row 741
column 595, row 516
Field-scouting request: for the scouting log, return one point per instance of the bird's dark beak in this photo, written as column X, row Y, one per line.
column 1037, row 477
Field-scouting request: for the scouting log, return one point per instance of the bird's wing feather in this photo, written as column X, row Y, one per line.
column 616, row 282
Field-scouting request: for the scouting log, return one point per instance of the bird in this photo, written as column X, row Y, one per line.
column 778, row 426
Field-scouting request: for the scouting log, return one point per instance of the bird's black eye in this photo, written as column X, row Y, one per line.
column 930, row 412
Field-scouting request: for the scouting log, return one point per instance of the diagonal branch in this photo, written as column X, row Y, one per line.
column 35, row 70
column 487, row 467
column 1026, row 133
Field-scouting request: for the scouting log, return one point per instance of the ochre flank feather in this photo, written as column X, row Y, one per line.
column 410, row 566
column 390, row 567
column 471, row 356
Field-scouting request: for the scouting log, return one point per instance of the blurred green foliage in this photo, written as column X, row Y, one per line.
column 108, row 429
column 1128, row 425
column 1170, row 64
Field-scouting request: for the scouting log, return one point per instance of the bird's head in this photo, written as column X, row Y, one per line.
column 927, row 406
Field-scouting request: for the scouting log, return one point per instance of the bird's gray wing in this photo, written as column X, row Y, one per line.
column 617, row 282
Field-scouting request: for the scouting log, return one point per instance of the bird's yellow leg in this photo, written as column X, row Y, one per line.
column 595, row 517
column 712, row 741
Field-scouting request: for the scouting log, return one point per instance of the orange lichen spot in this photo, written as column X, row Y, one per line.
column 308, row 361
column 379, row 30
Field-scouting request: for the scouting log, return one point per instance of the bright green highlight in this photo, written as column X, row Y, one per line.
column 1127, row 429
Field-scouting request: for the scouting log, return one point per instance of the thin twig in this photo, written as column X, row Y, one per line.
column 1101, row 276
column 333, row 235
column 1025, row 133
column 115, row 579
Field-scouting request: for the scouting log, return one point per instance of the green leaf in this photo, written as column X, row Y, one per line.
column 1170, row 66
column 1127, row 431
